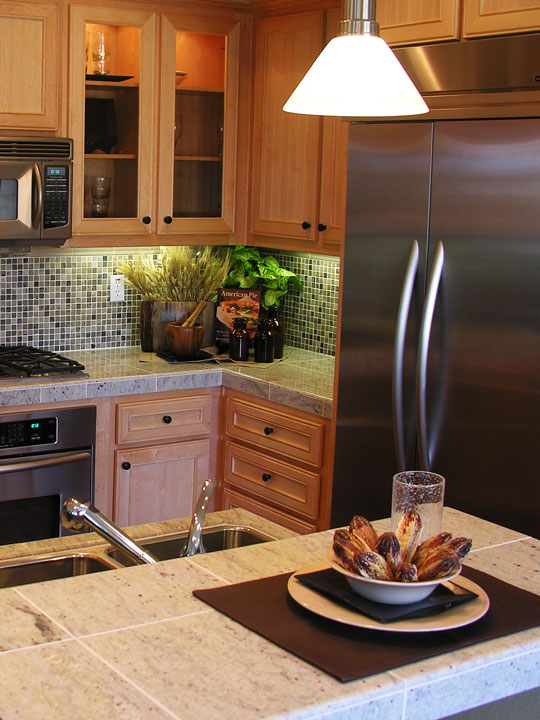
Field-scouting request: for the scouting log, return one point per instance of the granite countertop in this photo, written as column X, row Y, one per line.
column 136, row 644
column 303, row 380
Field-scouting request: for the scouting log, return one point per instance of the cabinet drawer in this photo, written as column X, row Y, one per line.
column 272, row 430
column 272, row 480
column 163, row 419
column 232, row 499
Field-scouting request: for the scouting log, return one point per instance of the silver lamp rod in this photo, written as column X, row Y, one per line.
column 358, row 18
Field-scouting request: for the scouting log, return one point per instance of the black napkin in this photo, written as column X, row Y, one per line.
column 335, row 586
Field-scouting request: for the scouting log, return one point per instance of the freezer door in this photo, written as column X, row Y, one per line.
column 483, row 366
column 387, row 211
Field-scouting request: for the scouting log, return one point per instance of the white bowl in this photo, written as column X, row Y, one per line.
column 385, row 591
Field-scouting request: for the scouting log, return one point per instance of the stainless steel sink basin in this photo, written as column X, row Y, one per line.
column 167, row 547
column 50, row 568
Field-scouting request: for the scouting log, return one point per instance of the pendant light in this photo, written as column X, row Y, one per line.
column 357, row 74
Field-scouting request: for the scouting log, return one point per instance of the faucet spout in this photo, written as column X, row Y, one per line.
column 77, row 514
column 194, row 543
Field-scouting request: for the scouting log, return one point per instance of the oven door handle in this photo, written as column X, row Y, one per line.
column 50, row 461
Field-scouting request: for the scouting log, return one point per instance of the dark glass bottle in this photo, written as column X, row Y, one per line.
column 264, row 341
column 279, row 331
column 239, row 342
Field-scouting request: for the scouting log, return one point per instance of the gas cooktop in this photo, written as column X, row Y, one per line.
column 23, row 362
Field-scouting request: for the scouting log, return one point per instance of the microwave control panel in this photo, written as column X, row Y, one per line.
column 55, row 196
column 22, row 433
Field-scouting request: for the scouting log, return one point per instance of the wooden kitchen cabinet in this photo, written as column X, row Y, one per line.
column 30, row 64
column 166, row 447
column 500, row 17
column 198, row 124
column 170, row 153
column 299, row 161
column 275, row 462
column 159, row 482
column 419, row 21
column 112, row 122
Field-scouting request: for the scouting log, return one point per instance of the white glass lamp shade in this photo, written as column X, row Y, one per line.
column 356, row 76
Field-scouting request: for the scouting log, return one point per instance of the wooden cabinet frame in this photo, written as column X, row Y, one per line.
column 146, row 21
column 170, row 23
column 38, row 106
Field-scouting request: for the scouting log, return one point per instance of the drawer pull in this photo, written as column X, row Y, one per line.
column 268, row 430
column 266, row 477
column 126, row 466
column 167, row 419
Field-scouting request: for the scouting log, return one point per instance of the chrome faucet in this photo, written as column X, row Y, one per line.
column 194, row 543
column 76, row 514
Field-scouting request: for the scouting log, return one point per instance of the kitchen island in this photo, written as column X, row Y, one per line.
column 135, row 643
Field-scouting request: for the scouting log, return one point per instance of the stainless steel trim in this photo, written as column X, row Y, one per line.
column 39, row 204
column 423, row 351
column 399, row 348
column 76, row 515
column 480, row 65
column 194, row 544
column 51, row 461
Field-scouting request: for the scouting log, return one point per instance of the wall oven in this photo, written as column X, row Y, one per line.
column 35, row 190
column 46, row 457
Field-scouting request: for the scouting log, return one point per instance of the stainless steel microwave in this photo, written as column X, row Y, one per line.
column 35, row 190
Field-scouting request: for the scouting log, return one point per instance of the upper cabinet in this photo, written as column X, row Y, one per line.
column 30, row 65
column 152, row 163
column 500, row 17
column 299, row 161
column 112, row 120
column 198, row 124
column 419, row 21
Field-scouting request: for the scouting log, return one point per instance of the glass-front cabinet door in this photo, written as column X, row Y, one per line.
column 198, row 119
column 112, row 120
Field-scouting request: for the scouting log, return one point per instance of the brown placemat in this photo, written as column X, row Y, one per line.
column 349, row 653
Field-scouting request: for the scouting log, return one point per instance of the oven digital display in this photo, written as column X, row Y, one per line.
column 28, row 432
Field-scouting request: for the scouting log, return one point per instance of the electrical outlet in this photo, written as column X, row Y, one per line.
column 117, row 288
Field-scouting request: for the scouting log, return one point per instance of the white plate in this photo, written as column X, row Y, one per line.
column 455, row 617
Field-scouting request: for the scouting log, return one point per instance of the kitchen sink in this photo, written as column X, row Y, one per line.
column 34, row 570
column 168, row 547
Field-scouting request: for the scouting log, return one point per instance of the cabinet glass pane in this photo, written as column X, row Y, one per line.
column 199, row 124
column 111, row 129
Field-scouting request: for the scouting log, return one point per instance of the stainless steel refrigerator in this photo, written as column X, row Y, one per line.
column 440, row 342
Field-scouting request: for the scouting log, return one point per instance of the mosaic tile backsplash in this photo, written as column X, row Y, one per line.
column 60, row 301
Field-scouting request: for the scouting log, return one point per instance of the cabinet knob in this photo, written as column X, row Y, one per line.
column 321, row 227
column 167, row 219
column 266, row 477
column 306, row 225
column 126, row 466
column 268, row 430
column 167, row 419
column 147, row 220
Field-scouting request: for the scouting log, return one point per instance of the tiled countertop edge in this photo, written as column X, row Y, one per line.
column 43, row 392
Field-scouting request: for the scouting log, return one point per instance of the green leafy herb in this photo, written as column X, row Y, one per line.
column 250, row 271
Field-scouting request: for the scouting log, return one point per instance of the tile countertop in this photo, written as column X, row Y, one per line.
column 303, row 380
column 136, row 644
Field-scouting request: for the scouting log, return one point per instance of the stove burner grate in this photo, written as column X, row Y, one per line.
column 27, row 361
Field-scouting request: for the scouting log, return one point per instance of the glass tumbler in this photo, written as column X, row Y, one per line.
column 421, row 491
column 100, row 190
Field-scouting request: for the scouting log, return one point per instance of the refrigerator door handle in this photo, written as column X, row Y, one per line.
column 423, row 350
column 399, row 350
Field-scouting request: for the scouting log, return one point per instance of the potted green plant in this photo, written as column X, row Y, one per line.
column 251, row 271
column 179, row 286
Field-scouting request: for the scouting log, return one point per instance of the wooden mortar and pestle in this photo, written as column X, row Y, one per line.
column 184, row 338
